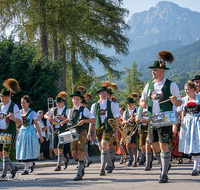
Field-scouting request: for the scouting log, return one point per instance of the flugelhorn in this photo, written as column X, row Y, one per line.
column 114, row 126
column 50, row 102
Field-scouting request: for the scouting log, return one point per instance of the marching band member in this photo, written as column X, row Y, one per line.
column 7, row 107
column 27, row 144
column 131, row 146
column 61, row 113
column 142, row 117
column 111, row 146
column 103, row 110
column 84, row 103
column 79, row 116
column 155, row 91
column 189, row 137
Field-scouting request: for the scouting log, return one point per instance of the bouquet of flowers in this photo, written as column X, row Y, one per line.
column 25, row 121
column 192, row 104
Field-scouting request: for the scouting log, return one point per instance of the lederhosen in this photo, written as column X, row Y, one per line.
column 74, row 117
column 143, row 128
column 134, row 138
column 11, row 129
column 57, row 131
column 161, row 134
column 103, row 130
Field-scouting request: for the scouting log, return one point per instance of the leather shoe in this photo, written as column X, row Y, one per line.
column 141, row 162
column 24, row 172
column 163, row 179
column 58, row 168
column 110, row 169
column 13, row 172
column 77, row 178
column 32, row 167
column 130, row 162
column 66, row 164
column 88, row 164
column 102, row 172
column 147, row 168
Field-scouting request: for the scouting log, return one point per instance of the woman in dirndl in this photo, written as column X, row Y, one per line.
column 189, row 139
column 27, row 145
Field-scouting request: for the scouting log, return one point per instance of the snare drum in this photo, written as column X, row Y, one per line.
column 5, row 138
column 68, row 136
column 165, row 118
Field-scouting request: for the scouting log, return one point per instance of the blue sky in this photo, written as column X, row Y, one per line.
column 141, row 5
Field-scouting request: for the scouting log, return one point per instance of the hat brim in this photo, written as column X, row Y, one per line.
column 196, row 79
column 101, row 90
column 158, row 67
column 72, row 95
column 130, row 102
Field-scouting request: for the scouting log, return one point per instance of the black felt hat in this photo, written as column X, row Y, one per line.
column 197, row 77
column 84, row 101
column 76, row 93
column 5, row 93
column 130, row 100
column 102, row 88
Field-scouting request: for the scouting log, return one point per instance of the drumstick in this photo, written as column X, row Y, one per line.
column 168, row 100
column 71, row 127
column 8, row 116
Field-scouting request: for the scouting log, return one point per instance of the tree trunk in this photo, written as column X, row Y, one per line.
column 55, row 47
column 73, row 61
column 62, row 79
column 43, row 34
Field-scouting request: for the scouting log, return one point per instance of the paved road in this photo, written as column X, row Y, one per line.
column 123, row 177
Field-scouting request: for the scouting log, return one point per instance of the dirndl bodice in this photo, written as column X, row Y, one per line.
column 27, row 144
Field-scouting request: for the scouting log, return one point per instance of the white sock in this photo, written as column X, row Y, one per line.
column 26, row 166
column 30, row 164
column 196, row 162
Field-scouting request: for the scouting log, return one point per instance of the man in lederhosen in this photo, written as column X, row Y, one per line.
column 79, row 116
column 158, row 90
column 7, row 108
column 103, row 110
column 61, row 112
column 131, row 146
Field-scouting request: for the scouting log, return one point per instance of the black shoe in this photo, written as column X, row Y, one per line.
column 88, row 164
column 77, row 178
column 2, row 176
column 138, row 159
column 13, row 172
column 66, row 164
column 130, row 162
column 58, row 168
column 102, row 172
column 106, row 167
column 110, row 169
column 163, row 179
column 194, row 173
column 141, row 162
column 32, row 167
column 121, row 161
column 147, row 168
column 135, row 165
column 24, row 172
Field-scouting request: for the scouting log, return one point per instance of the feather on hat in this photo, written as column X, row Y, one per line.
column 12, row 85
column 87, row 97
column 62, row 94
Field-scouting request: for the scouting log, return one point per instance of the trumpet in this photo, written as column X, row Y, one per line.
column 114, row 126
column 50, row 102
column 131, row 127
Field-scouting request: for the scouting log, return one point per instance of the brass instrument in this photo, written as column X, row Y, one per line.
column 50, row 102
column 131, row 127
column 114, row 126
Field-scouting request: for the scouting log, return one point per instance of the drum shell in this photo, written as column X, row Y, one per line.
column 5, row 138
column 167, row 118
column 68, row 136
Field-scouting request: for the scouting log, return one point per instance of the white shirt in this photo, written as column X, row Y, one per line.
column 86, row 113
column 129, row 113
column 59, row 112
column 4, row 109
column 158, row 87
column 41, row 125
column 116, row 106
column 103, row 105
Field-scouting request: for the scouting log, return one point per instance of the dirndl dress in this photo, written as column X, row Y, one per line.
column 189, row 138
column 27, row 144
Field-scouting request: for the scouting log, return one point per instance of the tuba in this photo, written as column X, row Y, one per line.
column 114, row 126
column 50, row 102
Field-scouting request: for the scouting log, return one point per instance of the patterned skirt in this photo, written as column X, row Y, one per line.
column 27, row 145
column 189, row 138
